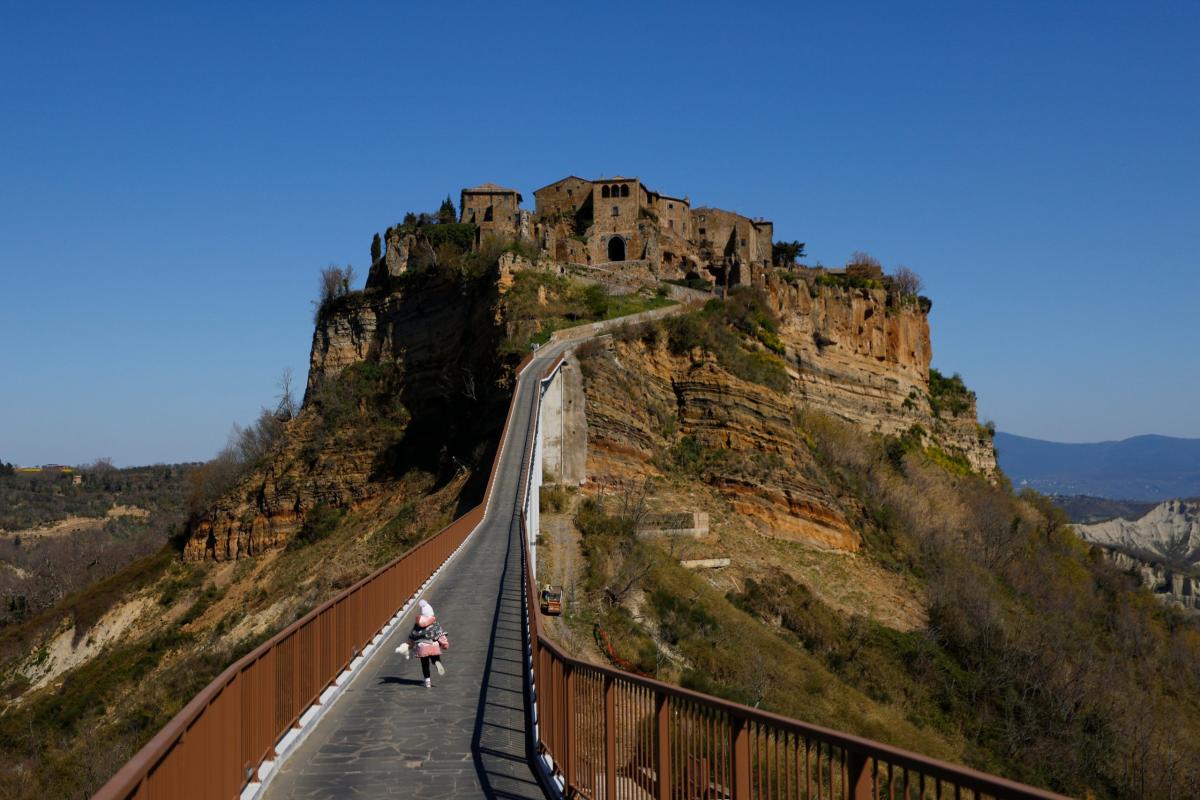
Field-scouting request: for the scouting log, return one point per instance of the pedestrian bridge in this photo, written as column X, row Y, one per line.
column 327, row 709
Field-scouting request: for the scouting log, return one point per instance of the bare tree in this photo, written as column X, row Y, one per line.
column 906, row 282
column 286, row 408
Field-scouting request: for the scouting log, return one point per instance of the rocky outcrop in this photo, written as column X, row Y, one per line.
column 862, row 355
column 438, row 339
column 643, row 404
column 1170, row 531
column 1167, row 584
column 1162, row 547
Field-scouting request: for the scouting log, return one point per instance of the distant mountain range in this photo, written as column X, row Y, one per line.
column 1150, row 468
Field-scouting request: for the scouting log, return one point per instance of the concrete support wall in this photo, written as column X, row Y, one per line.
column 563, row 426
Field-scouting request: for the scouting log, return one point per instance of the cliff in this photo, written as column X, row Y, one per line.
column 863, row 354
column 402, row 375
column 649, row 410
column 1162, row 547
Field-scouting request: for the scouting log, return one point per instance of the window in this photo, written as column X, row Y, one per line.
column 702, row 229
column 616, row 211
column 670, row 223
column 568, row 192
column 625, row 190
column 702, row 218
column 670, row 205
column 487, row 214
column 743, row 242
column 604, row 191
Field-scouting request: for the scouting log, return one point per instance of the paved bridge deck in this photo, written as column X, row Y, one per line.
column 389, row 736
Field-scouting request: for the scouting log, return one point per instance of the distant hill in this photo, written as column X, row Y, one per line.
column 1150, row 468
column 1085, row 508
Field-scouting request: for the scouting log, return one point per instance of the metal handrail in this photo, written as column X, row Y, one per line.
column 216, row 743
column 598, row 725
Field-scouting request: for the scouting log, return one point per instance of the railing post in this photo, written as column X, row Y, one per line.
column 568, row 722
column 739, row 748
column 858, row 775
column 610, row 737
column 662, row 715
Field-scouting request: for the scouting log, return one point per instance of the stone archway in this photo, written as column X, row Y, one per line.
column 616, row 249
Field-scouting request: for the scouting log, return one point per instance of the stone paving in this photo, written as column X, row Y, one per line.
column 389, row 736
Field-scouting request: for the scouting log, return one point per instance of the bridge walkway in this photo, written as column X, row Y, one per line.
column 389, row 736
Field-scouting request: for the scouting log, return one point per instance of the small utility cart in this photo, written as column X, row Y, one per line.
column 552, row 600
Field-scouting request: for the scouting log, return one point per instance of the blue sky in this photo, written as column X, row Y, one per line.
column 172, row 180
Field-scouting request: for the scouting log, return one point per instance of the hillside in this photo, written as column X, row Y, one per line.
column 60, row 532
column 405, row 400
column 874, row 583
column 1148, row 468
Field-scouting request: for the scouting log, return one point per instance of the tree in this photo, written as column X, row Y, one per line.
column 286, row 408
column 446, row 214
column 787, row 253
column 907, row 282
column 376, row 248
column 335, row 282
column 860, row 259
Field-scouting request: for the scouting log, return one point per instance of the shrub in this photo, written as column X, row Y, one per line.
column 321, row 521
column 948, row 394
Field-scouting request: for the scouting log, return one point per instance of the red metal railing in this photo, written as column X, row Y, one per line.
column 610, row 734
column 215, row 745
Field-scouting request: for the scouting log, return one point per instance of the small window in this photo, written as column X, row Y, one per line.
column 743, row 242
column 670, row 223
column 616, row 211
column 625, row 190
column 702, row 218
column 604, row 191
column 702, row 229
column 568, row 192
column 670, row 205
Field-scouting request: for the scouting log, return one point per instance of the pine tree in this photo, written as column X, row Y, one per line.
column 446, row 214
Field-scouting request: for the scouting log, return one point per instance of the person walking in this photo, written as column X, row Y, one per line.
column 427, row 639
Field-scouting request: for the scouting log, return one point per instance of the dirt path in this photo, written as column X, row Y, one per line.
column 70, row 525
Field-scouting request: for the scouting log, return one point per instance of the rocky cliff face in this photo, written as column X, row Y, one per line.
column 432, row 347
column 643, row 403
column 1169, row 531
column 1162, row 546
column 849, row 353
column 863, row 357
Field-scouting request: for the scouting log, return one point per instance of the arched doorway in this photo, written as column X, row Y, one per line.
column 616, row 249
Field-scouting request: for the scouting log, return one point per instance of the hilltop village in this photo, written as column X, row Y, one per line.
column 617, row 224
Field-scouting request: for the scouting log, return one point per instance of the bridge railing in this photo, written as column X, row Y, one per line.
column 214, row 747
column 606, row 733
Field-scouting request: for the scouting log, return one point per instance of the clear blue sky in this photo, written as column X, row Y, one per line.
column 171, row 182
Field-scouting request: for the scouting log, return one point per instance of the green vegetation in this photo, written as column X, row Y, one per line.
column 949, row 395
column 320, row 521
column 786, row 252
column 848, row 281
column 116, row 516
column 722, row 328
column 539, row 303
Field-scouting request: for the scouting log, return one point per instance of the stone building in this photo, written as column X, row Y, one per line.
column 492, row 209
column 613, row 220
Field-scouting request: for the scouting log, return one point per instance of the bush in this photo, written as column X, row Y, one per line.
column 321, row 521
column 948, row 394
column 716, row 328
